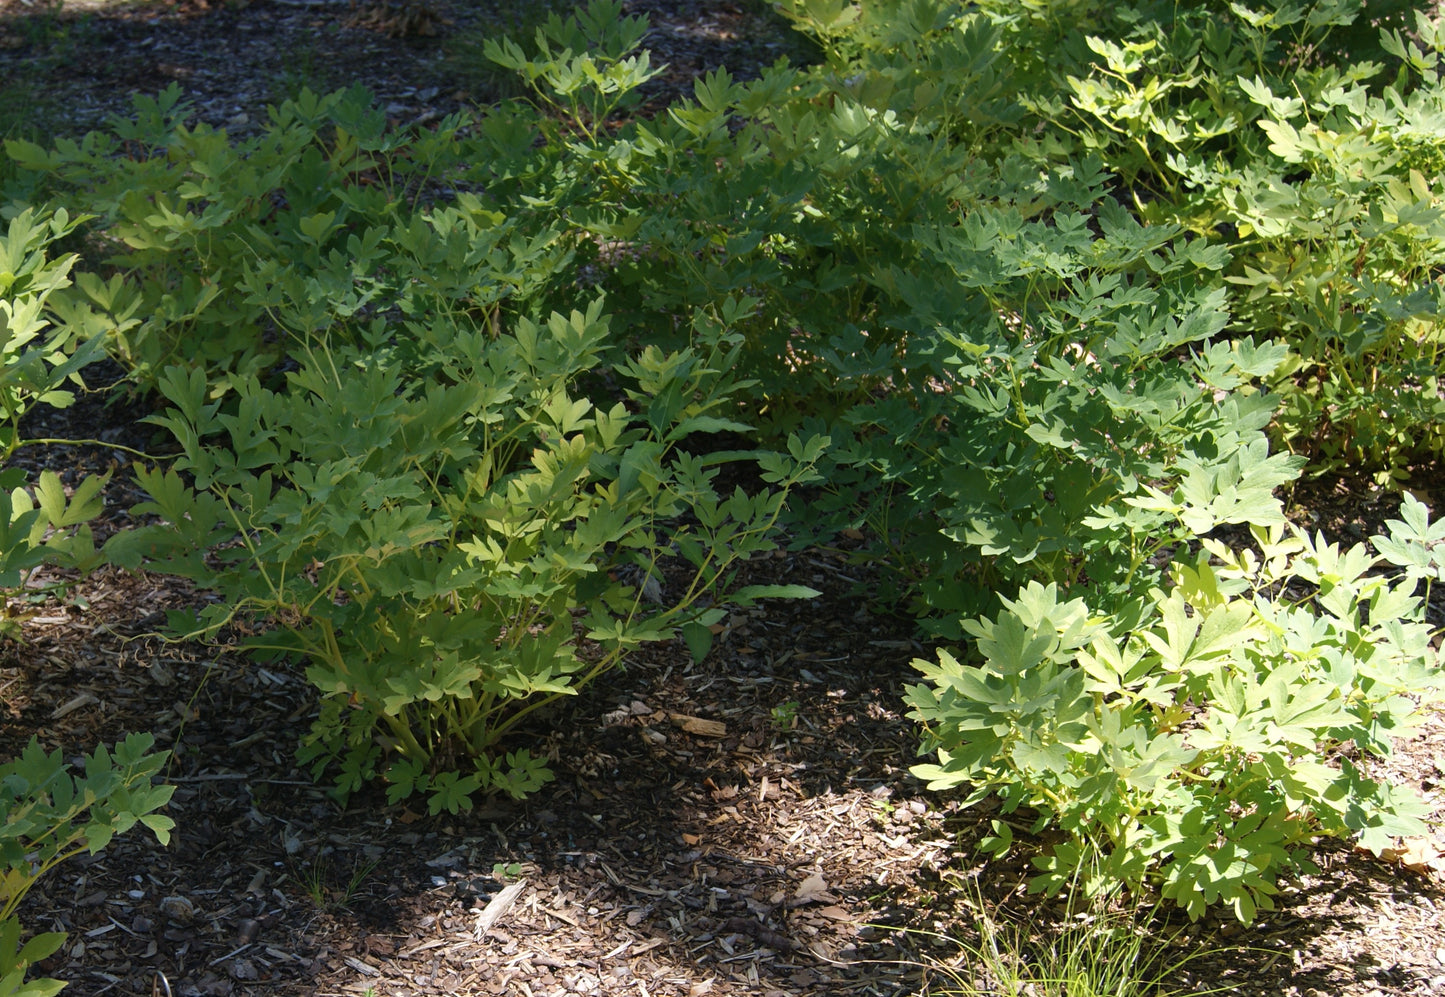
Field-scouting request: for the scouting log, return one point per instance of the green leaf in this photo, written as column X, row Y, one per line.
column 41, row 946
column 749, row 594
column 160, row 825
column 699, row 639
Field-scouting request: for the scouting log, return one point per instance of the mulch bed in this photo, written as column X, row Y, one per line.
column 743, row 826
column 689, row 836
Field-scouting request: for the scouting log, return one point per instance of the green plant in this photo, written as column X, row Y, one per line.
column 430, row 530
column 1291, row 132
column 1346, row 234
column 39, row 363
column 784, row 716
column 998, row 350
column 1045, row 274
column 1099, row 951
column 467, row 65
column 1203, row 743
column 227, row 255
column 586, row 67
column 38, row 358
column 324, row 887
column 1031, row 464
column 50, row 815
column 507, row 870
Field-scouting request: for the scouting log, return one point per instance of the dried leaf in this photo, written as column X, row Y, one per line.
column 244, row 969
column 179, row 909
column 1420, row 855
column 812, row 889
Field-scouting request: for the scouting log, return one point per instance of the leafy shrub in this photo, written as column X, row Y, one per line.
column 1345, row 238
column 995, row 346
column 588, row 65
column 49, row 816
column 434, row 533
column 224, row 252
column 1061, row 400
column 1046, row 273
column 1203, row 744
column 37, row 358
column 1305, row 137
column 996, row 343
column 38, row 362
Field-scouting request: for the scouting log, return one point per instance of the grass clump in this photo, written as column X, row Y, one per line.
column 1095, row 949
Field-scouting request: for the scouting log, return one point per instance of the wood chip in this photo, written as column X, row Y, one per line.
column 435, row 943
column 257, row 885
column 361, row 967
column 700, row 726
column 496, row 907
column 75, row 703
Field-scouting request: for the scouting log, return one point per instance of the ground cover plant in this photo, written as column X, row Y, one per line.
column 1302, row 134
column 50, row 816
column 1042, row 303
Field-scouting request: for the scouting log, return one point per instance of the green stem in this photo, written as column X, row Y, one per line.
column 13, row 901
column 46, row 440
column 408, row 745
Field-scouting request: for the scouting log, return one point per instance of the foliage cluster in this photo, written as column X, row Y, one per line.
column 1037, row 295
column 50, row 815
column 40, row 363
column 1304, row 135
column 430, row 524
column 1202, row 744
column 46, row 814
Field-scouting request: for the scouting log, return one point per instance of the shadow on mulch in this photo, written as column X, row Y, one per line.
column 659, row 857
